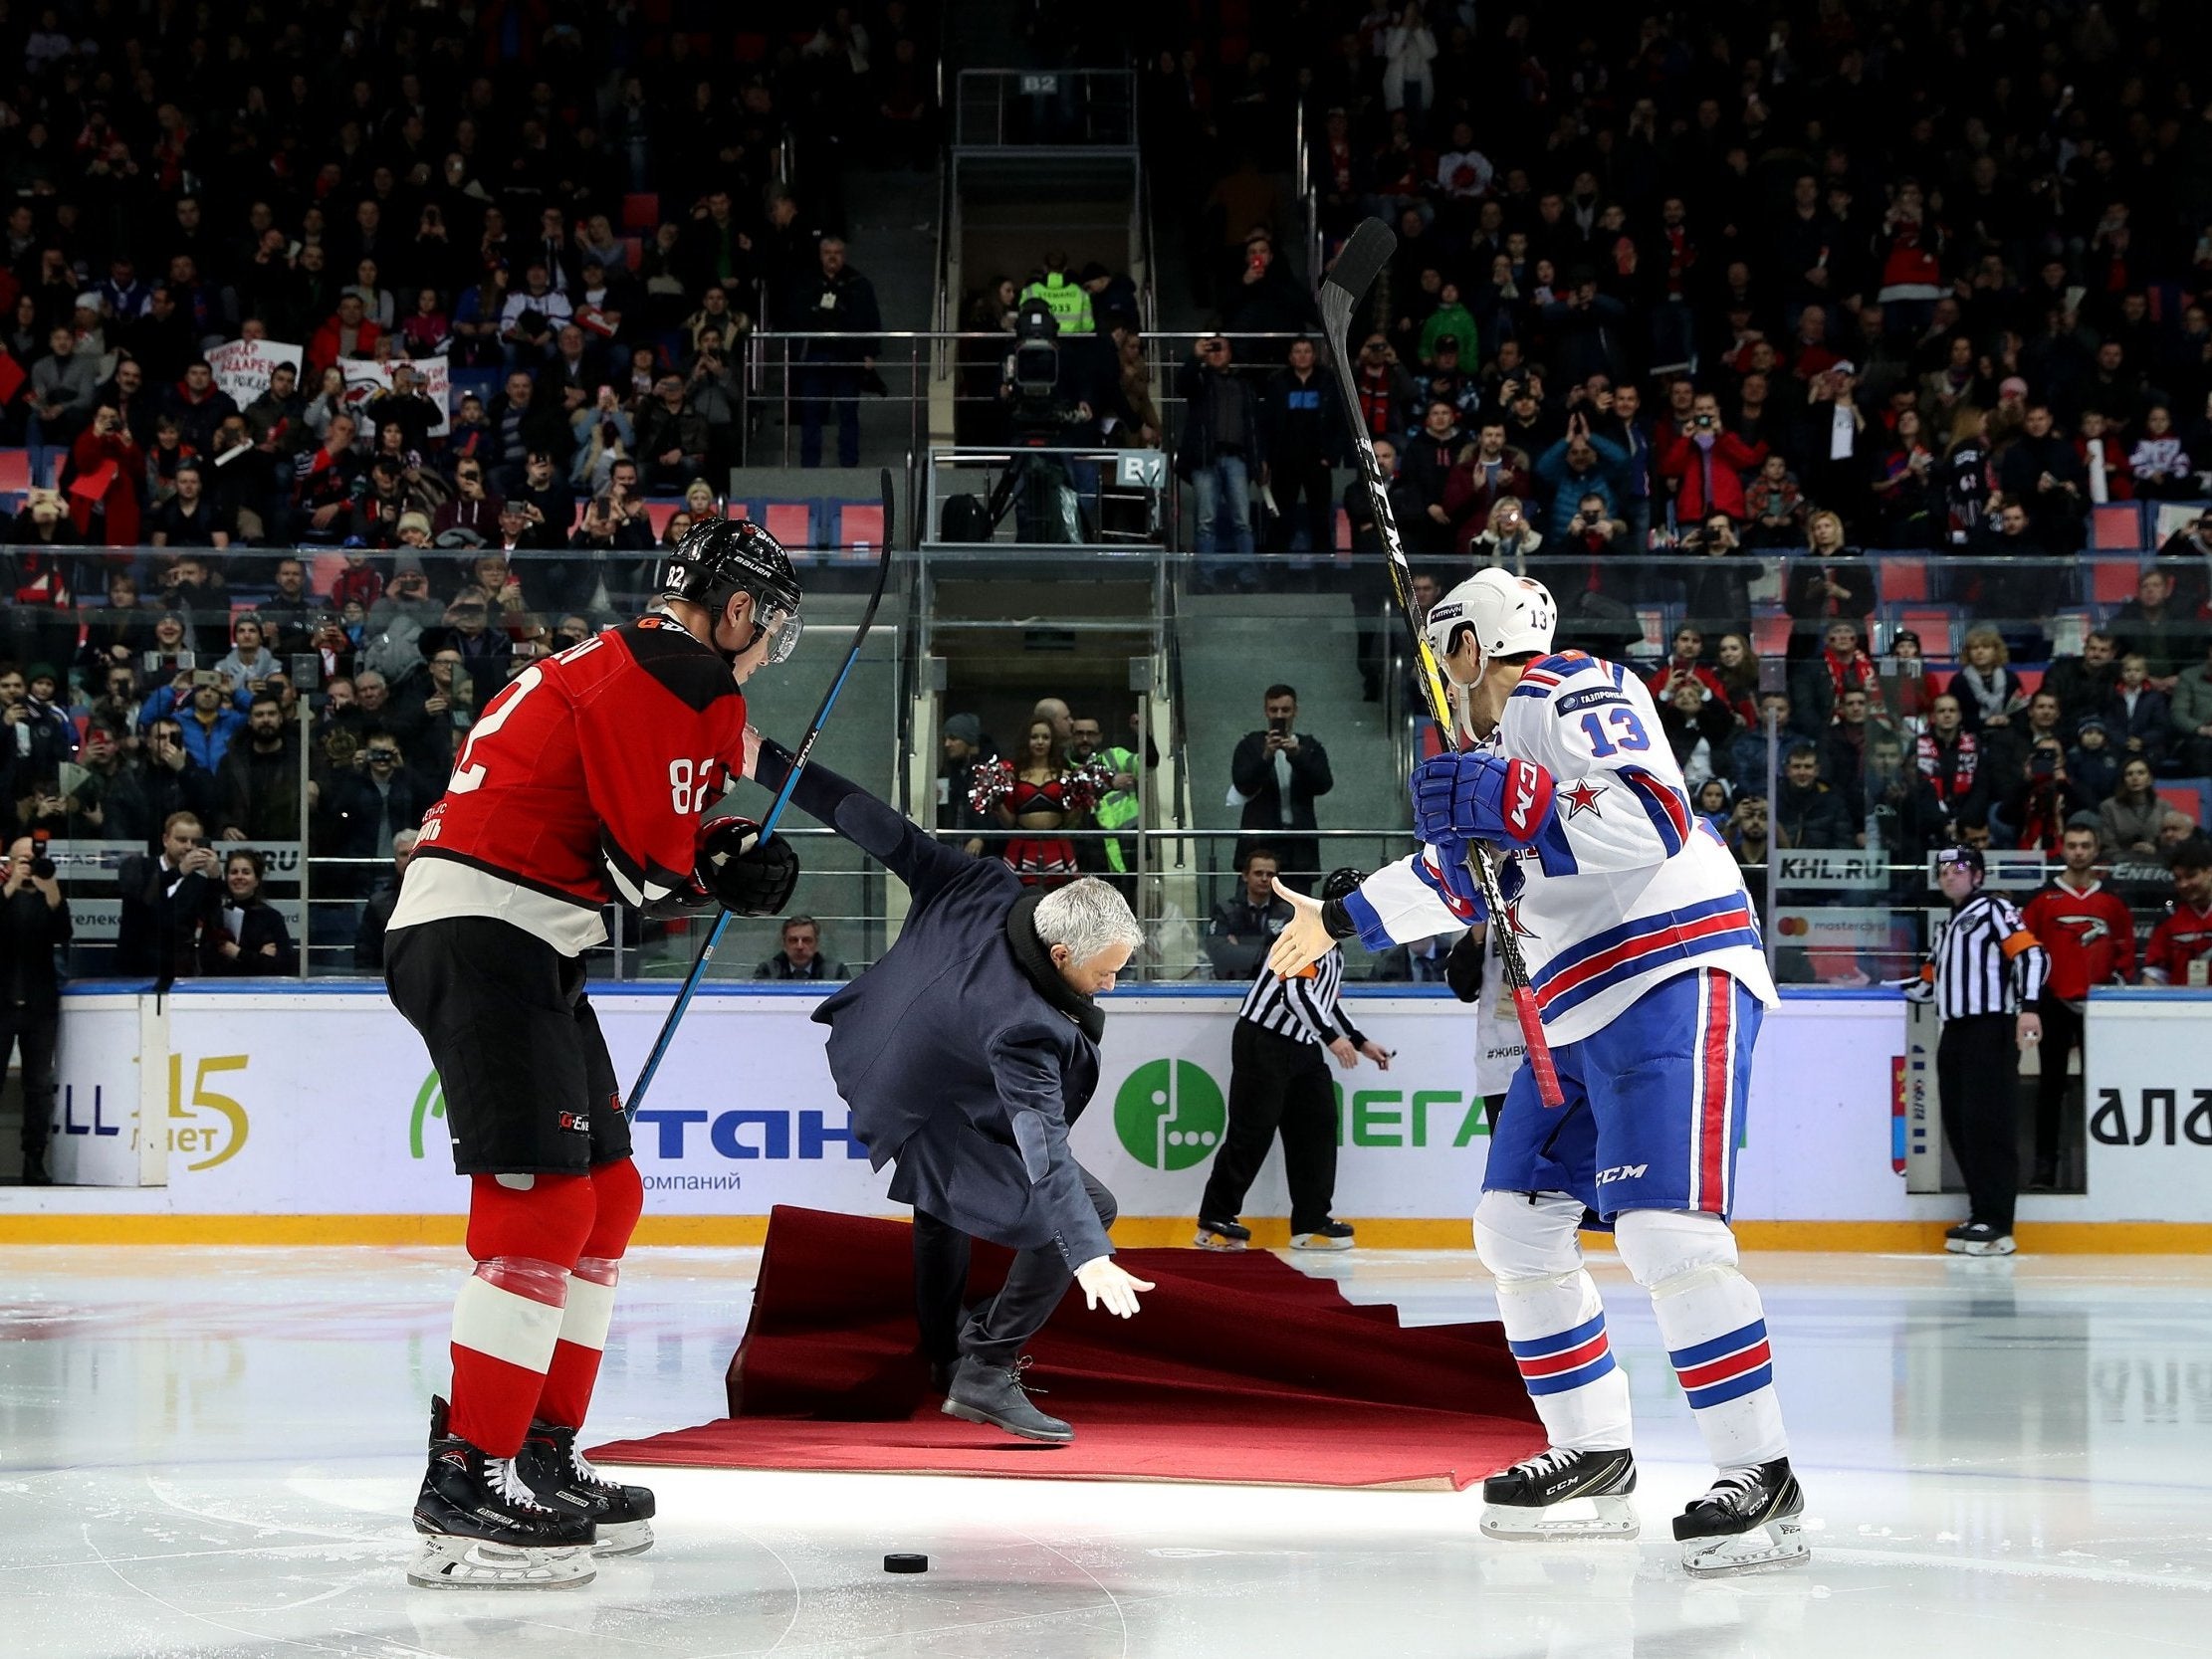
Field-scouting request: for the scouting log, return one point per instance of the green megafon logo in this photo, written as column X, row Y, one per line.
column 429, row 1102
column 1169, row 1115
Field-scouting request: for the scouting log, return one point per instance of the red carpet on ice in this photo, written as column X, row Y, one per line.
column 1238, row 1369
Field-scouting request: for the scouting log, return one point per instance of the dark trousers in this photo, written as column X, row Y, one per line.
column 36, row 1031
column 827, row 391
column 1276, row 1084
column 994, row 1332
column 2061, row 1035
column 1306, row 502
column 1977, row 1073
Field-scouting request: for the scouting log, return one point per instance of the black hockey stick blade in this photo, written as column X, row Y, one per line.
column 1357, row 264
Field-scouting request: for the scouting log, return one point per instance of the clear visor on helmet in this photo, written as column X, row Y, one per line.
column 782, row 628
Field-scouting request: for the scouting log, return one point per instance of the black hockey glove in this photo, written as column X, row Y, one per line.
column 1463, row 970
column 742, row 872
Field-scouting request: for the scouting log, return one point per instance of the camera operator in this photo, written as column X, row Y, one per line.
column 1054, row 392
column 34, row 924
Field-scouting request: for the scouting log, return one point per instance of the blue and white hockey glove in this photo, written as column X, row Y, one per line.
column 1443, row 869
column 1480, row 797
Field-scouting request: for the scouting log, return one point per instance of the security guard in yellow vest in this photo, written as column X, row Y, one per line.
column 1069, row 300
column 1116, row 808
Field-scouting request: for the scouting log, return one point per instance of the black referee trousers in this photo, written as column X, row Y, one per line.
column 1276, row 1084
column 1977, row 1076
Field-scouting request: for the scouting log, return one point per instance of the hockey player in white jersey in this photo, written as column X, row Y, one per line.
column 1646, row 965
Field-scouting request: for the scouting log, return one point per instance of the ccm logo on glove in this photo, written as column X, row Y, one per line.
column 1482, row 797
column 1527, row 785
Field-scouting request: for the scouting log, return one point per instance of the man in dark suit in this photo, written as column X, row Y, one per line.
column 802, row 958
column 1279, row 773
column 34, row 926
column 965, row 1054
column 170, row 901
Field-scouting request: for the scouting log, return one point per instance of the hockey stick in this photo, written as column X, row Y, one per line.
column 1354, row 272
column 775, row 811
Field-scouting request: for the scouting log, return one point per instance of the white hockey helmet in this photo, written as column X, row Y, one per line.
column 1509, row 615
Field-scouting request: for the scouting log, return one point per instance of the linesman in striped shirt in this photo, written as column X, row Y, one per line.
column 1279, row 1083
column 1985, row 976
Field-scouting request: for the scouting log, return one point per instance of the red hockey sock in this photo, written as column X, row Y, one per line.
column 507, row 1319
column 566, row 1396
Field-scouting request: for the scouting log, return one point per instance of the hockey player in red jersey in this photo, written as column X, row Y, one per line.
column 2089, row 934
column 2184, row 941
column 585, row 779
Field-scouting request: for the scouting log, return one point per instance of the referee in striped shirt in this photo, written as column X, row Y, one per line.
column 1986, row 974
column 1279, row 1082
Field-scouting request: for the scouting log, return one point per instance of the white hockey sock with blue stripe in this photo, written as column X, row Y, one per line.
column 1716, row 1337
column 1556, row 1329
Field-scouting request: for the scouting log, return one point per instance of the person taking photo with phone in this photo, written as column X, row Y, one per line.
column 34, row 926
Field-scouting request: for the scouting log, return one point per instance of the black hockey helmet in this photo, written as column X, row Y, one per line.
column 1970, row 858
column 1342, row 884
column 719, row 558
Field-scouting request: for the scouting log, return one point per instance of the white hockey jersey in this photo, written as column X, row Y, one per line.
column 1498, row 1043
column 1624, row 887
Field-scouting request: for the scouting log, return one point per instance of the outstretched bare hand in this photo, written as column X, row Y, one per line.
column 1304, row 939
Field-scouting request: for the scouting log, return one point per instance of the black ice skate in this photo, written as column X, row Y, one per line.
column 1562, row 1495
column 1330, row 1235
column 1978, row 1238
column 1221, row 1235
column 994, row 1395
column 563, row 1480
column 484, row 1528
column 1747, row 1523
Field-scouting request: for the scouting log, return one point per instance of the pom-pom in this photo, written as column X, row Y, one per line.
column 990, row 783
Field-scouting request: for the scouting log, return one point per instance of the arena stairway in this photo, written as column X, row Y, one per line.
column 1233, row 649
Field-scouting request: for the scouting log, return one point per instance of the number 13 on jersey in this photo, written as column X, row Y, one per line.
column 1626, row 731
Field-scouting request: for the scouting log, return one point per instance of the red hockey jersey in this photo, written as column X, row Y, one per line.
column 2181, row 939
column 2089, row 935
column 584, row 780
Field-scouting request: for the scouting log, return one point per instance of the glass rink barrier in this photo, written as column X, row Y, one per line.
column 1837, row 715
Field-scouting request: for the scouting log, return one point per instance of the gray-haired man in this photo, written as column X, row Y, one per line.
column 965, row 1054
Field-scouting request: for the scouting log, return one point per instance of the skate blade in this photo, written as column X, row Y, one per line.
column 2002, row 1247
column 1570, row 1521
column 968, row 1413
column 623, row 1538
column 1774, row 1548
column 1214, row 1241
column 1314, row 1241
column 447, row 1562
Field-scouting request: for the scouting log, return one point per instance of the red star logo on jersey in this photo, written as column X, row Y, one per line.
column 1514, row 920
column 1583, row 797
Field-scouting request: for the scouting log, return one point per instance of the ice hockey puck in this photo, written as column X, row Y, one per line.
column 906, row 1563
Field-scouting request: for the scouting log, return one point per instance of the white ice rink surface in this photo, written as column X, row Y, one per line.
column 214, row 1452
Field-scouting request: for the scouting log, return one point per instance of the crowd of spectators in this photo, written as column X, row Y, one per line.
column 1702, row 317
column 1733, row 261
column 578, row 218
column 574, row 217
